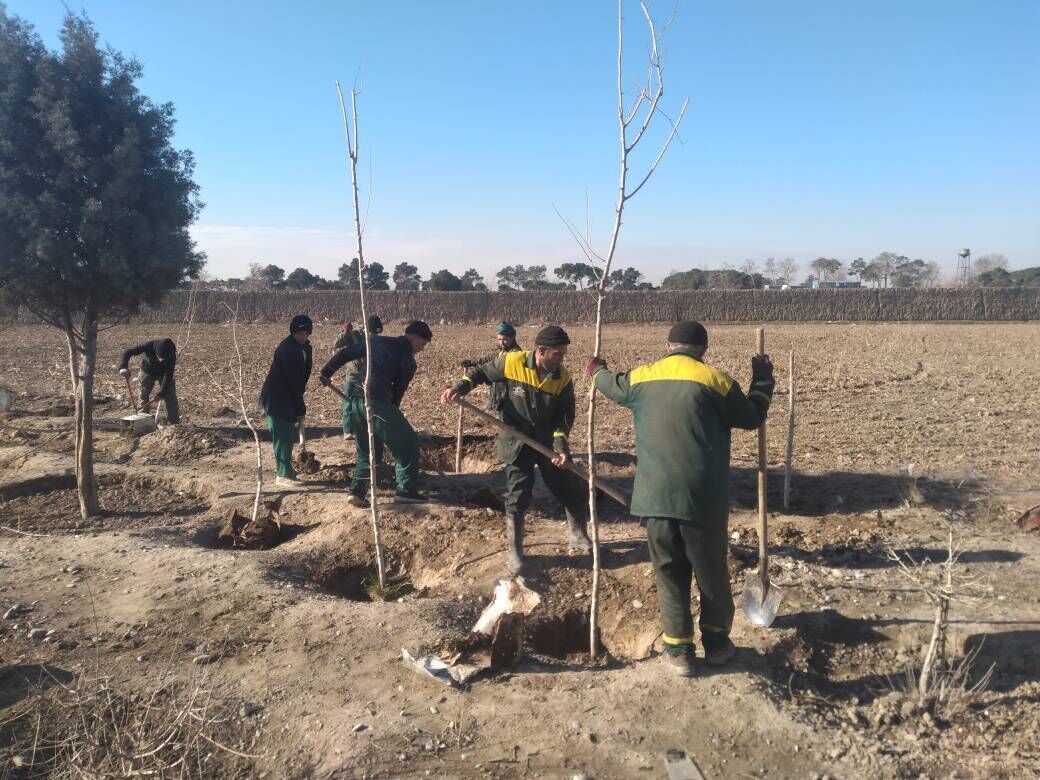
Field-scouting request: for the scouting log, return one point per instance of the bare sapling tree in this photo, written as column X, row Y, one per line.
column 634, row 120
column 790, row 430
column 236, row 393
column 943, row 684
column 350, row 130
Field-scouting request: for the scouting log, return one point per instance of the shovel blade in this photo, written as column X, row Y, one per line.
column 760, row 601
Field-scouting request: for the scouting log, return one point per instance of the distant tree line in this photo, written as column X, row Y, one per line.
column 888, row 269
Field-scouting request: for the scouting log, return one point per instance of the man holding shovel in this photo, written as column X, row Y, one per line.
column 539, row 402
column 684, row 411
column 157, row 365
column 392, row 370
column 282, row 395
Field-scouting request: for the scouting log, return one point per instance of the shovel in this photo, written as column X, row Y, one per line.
column 760, row 598
column 130, row 392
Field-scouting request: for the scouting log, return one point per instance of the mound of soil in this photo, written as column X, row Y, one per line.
column 127, row 502
column 182, row 444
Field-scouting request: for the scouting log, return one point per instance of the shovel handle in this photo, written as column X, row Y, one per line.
column 539, row 447
column 763, row 550
column 130, row 392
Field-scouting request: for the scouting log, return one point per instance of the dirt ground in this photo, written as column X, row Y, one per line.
column 899, row 429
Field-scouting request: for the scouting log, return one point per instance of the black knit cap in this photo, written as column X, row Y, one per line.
column 301, row 322
column 552, row 336
column 688, row 333
column 420, row 329
column 375, row 325
column 166, row 349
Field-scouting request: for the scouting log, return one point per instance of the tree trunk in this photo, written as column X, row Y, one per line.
column 86, row 486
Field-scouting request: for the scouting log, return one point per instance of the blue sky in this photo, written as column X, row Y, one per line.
column 836, row 128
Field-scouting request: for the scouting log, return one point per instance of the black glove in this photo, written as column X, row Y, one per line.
column 761, row 368
column 468, row 363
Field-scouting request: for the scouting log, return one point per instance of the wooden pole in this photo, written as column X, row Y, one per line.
column 790, row 430
column 458, row 442
column 763, row 548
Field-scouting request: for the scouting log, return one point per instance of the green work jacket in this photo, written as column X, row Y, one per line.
column 684, row 410
column 541, row 407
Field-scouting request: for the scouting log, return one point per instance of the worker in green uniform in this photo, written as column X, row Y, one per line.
column 281, row 397
column 392, row 369
column 505, row 339
column 351, row 335
column 538, row 400
column 684, row 410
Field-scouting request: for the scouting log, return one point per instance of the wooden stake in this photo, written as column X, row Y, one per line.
column 790, row 430
column 352, row 153
column 458, row 442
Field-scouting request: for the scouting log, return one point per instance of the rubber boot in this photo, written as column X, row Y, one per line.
column 515, row 544
column 579, row 539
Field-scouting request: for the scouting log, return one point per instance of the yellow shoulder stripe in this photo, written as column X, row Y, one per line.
column 682, row 368
column 516, row 370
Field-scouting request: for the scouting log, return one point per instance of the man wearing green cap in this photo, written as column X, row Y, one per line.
column 538, row 400
column 392, row 369
column 351, row 335
column 282, row 395
column 505, row 338
column 684, row 410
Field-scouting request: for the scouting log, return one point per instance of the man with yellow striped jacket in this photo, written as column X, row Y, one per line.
column 684, row 410
column 539, row 402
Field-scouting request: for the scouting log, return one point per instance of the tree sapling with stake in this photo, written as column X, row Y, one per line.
column 633, row 124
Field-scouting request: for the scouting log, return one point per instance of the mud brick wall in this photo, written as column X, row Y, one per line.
column 801, row 305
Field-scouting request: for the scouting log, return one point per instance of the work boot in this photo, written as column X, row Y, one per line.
column 683, row 664
column 579, row 539
column 289, row 482
column 515, row 543
column 410, row 496
column 720, row 652
column 357, row 498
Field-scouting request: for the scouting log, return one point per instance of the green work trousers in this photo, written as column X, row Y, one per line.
column 681, row 550
column 283, row 436
column 389, row 425
column 347, row 385
column 570, row 489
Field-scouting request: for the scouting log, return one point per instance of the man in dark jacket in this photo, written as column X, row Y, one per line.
column 538, row 401
column 505, row 337
column 157, row 365
column 684, row 410
column 282, row 395
column 392, row 369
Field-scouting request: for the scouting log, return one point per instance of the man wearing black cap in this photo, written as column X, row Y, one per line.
column 282, row 395
column 684, row 410
column 505, row 339
column 393, row 366
column 538, row 401
column 157, row 365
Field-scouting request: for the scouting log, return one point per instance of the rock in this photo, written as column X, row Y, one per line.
column 20, row 760
column 37, row 634
column 424, row 742
column 203, row 659
column 637, row 604
column 247, row 710
column 359, row 727
column 434, row 710
column 16, row 611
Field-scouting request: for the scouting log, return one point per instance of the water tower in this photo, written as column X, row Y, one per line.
column 964, row 267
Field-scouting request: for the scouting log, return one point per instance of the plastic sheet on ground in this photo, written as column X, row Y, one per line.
column 494, row 642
